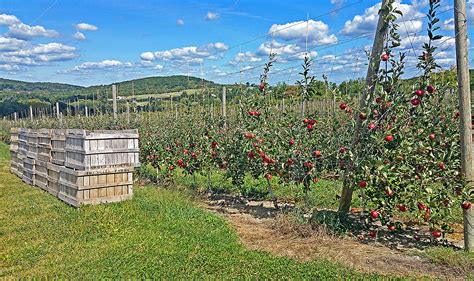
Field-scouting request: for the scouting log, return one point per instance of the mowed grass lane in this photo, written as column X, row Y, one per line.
column 160, row 233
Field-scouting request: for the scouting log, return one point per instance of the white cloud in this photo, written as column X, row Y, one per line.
column 147, row 56
column 448, row 24
column 318, row 32
column 28, row 54
column 79, row 36
column 24, row 31
column 158, row 67
column 180, row 22
column 245, row 57
column 9, row 68
column 211, row 16
column 285, row 52
column 8, row 20
column 190, row 54
column 19, row 30
column 412, row 20
column 11, row 44
column 97, row 65
column 86, row 26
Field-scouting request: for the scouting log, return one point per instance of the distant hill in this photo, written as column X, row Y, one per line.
column 153, row 85
column 149, row 85
column 22, row 86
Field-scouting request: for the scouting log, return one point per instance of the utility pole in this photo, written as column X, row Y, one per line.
column 224, row 113
column 370, row 80
column 464, row 93
column 57, row 110
column 128, row 113
column 114, row 98
column 31, row 113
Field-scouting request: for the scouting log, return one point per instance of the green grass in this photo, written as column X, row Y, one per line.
column 324, row 194
column 160, row 233
column 452, row 258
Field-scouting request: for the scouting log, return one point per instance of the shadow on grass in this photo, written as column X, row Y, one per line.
column 230, row 204
column 356, row 225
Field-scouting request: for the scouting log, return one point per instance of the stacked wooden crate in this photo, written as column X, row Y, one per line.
column 98, row 166
column 16, row 165
column 43, row 158
column 79, row 166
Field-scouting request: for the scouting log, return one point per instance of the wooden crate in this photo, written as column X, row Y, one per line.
column 19, row 166
column 44, row 153
column 44, row 137
column 23, row 147
column 28, row 175
column 22, row 135
column 53, row 179
column 95, row 186
column 32, row 151
column 58, row 147
column 88, row 150
column 14, row 135
column 41, row 174
column 32, row 136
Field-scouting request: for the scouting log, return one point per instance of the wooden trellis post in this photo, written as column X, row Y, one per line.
column 464, row 93
column 370, row 80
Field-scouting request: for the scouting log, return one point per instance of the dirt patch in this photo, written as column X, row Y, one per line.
column 262, row 227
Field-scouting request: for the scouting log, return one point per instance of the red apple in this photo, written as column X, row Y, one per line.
column 309, row 127
column 417, row 237
column 262, row 86
column 432, row 136
column 342, row 106
column 374, row 214
column 342, row 150
column 389, row 138
column 421, row 206
column 372, row 234
column 171, row 168
column 317, row 153
column 442, row 166
column 419, row 92
column 362, row 184
column 430, row 89
column 415, row 101
column 384, row 57
column 402, row 208
column 436, row 233
column 362, row 116
column 291, row 142
column 389, row 192
column 391, row 227
column 466, row 205
column 268, row 176
column 371, row 126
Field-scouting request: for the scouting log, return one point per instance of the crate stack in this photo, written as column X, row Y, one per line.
column 79, row 166
column 16, row 167
column 98, row 166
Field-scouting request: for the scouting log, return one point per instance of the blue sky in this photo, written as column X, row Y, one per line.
column 91, row 42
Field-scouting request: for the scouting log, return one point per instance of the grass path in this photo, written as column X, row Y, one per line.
column 160, row 233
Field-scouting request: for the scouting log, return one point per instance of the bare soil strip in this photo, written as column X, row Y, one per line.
column 261, row 227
